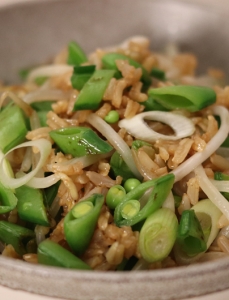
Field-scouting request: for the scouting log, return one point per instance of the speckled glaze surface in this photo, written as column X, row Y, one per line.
column 33, row 32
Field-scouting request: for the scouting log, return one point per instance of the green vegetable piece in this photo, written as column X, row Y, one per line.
column 76, row 55
column 50, row 194
column 177, row 200
column 81, row 75
column 23, row 73
column 115, row 195
column 151, row 104
column 30, row 205
column 119, row 167
column 112, row 117
column 43, row 105
column 191, row 98
column 8, row 201
column 15, row 235
column 130, row 209
column 42, row 115
column 79, row 141
column 225, row 143
column 79, row 230
column 158, row 235
column 131, row 184
column 13, row 127
column 138, row 144
column 190, row 236
column 222, row 176
column 161, row 188
column 158, row 73
column 92, row 92
column 40, row 80
column 52, row 254
column 109, row 62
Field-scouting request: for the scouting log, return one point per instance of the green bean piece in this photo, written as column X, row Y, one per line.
column 93, row 90
column 52, row 254
column 76, row 55
column 50, row 193
column 151, row 104
column 112, row 117
column 109, row 62
column 79, row 141
column 190, row 236
column 161, row 188
column 158, row 73
column 158, row 235
column 15, row 235
column 131, row 183
column 8, row 201
column 80, row 222
column 137, row 144
column 119, row 167
column 115, row 195
column 42, row 106
column 30, row 205
column 177, row 200
column 191, row 98
column 222, row 176
column 13, row 127
column 42, row 115
column 40, row 80
column 81, row 74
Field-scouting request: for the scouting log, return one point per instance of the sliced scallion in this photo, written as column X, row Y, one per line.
column 158, row 235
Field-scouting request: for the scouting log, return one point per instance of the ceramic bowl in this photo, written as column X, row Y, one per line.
column 33, row 32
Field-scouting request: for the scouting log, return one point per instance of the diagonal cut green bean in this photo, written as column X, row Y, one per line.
column 109, row 62
column 13, row 127
column 191, row 98
column 52, row 254
column 76, row 55
column 93, row 90
column 15, row 235
column 30, row 205
column 80, row 222
column 8, row 201
column 79, row 141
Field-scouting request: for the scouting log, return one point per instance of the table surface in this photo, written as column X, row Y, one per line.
column 7, row 293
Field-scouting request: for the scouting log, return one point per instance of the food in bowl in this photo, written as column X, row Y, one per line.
column 115, row 161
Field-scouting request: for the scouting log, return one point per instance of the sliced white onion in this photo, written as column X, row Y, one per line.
column 45, row 94
column 49, row 71
column 136, row 126
column 17, row 100
column 212, row 192
column 44, row 148
column 115, row 140
column 42, row 182
column 190, row 164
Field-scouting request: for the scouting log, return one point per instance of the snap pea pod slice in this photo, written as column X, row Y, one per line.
column 191, row 98
column 52, row 254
